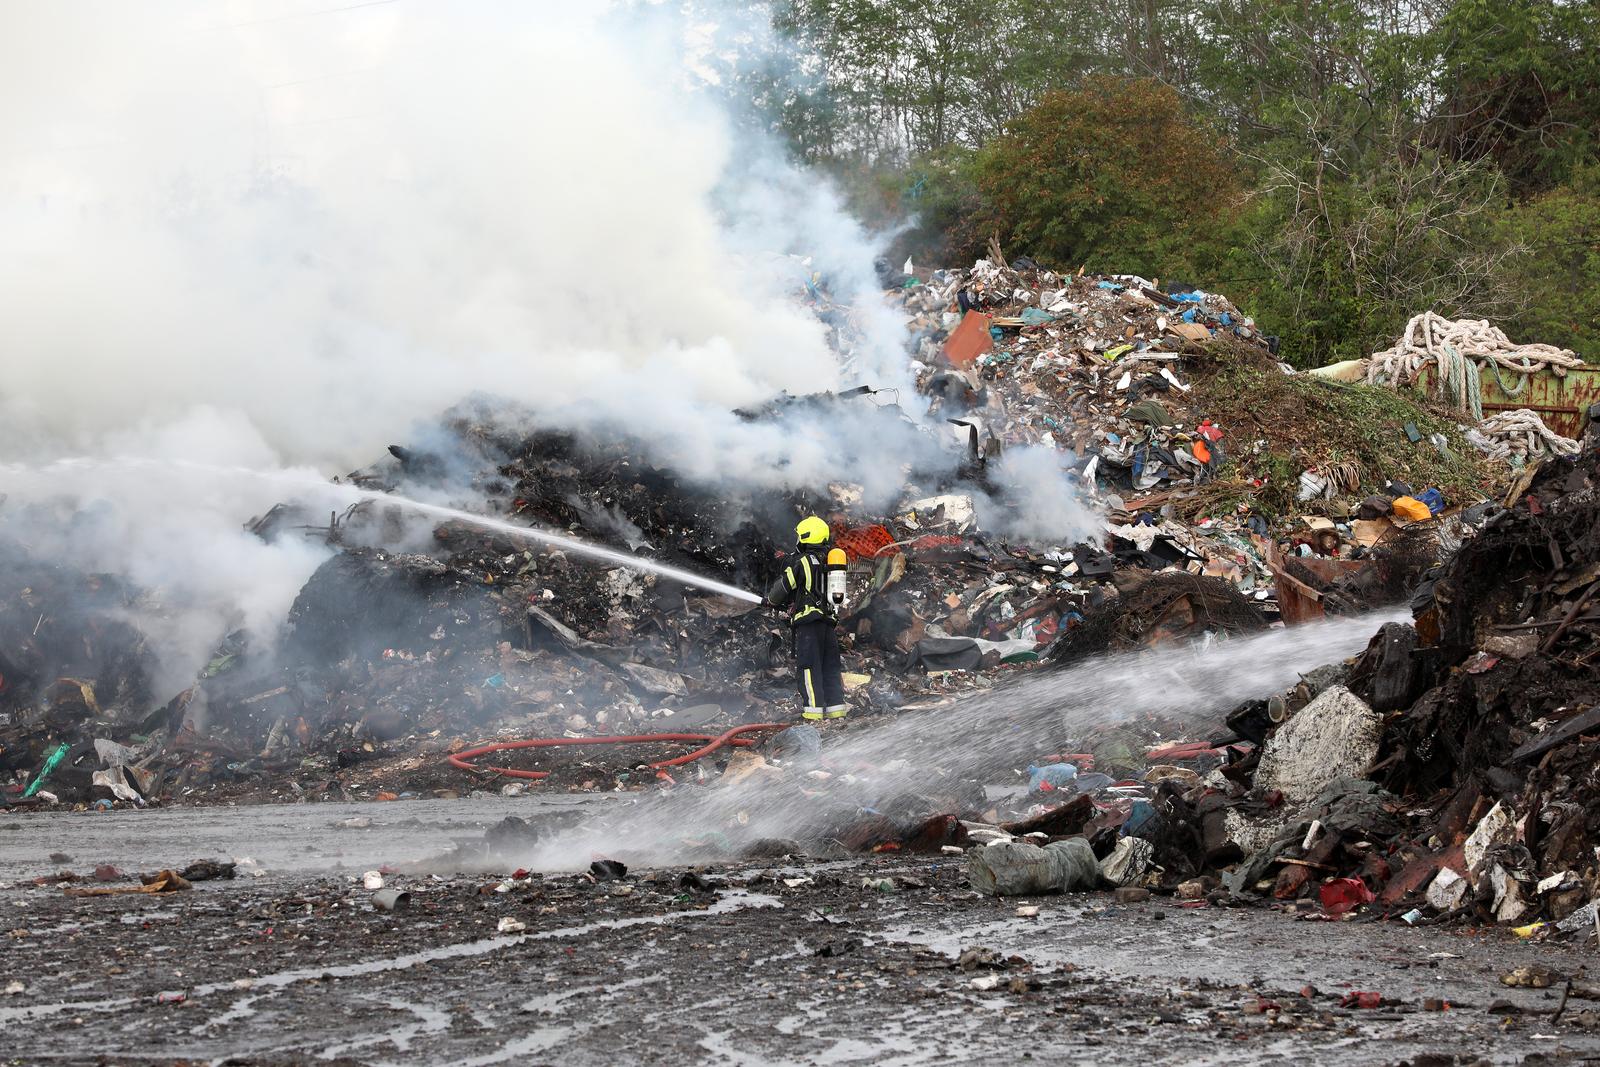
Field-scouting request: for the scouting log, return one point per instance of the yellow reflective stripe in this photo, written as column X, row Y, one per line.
column 811, row 693
column 788, row 572
column 805, row 561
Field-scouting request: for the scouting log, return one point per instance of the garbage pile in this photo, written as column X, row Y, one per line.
column 1446, row 773
column 68, row 655
column 1171, row 409
column 1493, row 718
column 392, row 655
column 397, row 652
column 1088, row 365
column 1458, row 754
column 403, row 649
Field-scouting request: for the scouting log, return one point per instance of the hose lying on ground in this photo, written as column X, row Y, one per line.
column 734, row 737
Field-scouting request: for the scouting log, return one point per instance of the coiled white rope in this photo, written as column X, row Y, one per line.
column 1518, row 437
column 1432, row 338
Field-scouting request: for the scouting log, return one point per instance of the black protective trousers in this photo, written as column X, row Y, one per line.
column 816, row 654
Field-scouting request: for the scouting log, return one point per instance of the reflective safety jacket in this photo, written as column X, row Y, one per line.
column 800, row 588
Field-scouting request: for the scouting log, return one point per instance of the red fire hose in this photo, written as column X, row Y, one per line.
column 734, row 737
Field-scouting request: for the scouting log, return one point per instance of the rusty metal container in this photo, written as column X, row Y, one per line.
column 1562, row 401
column 1298, row 602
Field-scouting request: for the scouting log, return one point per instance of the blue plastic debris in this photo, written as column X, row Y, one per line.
column 1141, row 816
column 1055, row 775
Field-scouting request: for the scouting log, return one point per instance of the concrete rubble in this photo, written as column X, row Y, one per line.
column 1334, row 736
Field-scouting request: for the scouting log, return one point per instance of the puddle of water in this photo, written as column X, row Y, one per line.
column 429, row 1020
column 73, row 927
column 854, row 1050
column 545, row 1038
column 800, row 949
column 724, row 1047
column 728, row 901
column 238, row 1011
column 548, row 1003
column 139, row 918
column 891, row 1046
column 1010, row 932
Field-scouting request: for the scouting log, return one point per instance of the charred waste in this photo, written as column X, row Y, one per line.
column 1444, row 770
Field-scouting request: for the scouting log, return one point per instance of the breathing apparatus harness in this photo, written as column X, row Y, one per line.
column 816, row 580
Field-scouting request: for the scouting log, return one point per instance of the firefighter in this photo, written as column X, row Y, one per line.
column 812, row 588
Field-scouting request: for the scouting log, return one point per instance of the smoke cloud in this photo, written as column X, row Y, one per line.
column 328, row 221
column 281, row 233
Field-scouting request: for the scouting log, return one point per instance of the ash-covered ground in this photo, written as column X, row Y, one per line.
column 885, row 959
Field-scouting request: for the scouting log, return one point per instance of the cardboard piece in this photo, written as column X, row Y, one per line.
column 969, row 340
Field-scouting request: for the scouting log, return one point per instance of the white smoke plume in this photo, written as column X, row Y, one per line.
column 331, row 221
column 281, row 233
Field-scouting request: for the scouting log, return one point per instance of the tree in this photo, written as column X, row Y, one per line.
column 1338, row 261
column 1114, row 176
column 1559, row 276
column 1520, row 84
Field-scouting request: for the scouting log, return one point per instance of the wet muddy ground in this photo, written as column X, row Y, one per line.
column 880, row 960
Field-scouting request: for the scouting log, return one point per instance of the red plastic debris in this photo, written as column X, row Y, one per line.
column 1182, row 750
column 931, row 541
column 969, row 340
column 864, row 542
column 1361, row 1000
column 1341, row 895
column 1084, row 761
